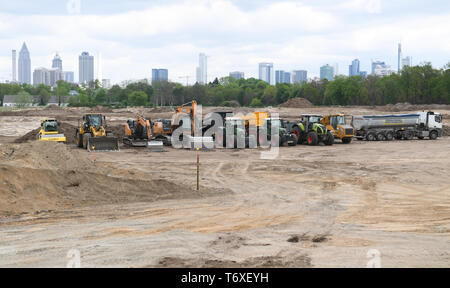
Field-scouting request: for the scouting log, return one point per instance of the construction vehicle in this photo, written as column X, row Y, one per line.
column 310, row 131
column 91, row 134
column 184, row 117
column 401, row 126
column 50, row 131
column 337, row 124
column 285, row 137
column 138, row 132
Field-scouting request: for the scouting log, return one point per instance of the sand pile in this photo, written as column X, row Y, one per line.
column 297, row 103
column 446, row 130
column 38, row 176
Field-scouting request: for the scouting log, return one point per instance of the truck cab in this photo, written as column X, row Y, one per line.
column 430, row 125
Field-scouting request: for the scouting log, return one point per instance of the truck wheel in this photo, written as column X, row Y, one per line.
column 399, row 136
column 79, row 140
column 371, row 137
column 408, row 136
column 297, row 133
column 293, row 139
column 389, row 136
column 312, row 139
column 329, row 141
column 381, row 137
column 86, row 138
column 346, row 140
column 433, row 135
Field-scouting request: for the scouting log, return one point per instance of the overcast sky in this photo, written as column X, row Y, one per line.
column 136, row 36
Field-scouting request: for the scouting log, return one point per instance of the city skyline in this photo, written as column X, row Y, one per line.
column 322, row 35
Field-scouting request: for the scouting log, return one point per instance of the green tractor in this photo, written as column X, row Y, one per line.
column 310, row 131
column 285, row 136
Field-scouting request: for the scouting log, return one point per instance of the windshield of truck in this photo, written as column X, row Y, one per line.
column 95, row 120
column 438, row 118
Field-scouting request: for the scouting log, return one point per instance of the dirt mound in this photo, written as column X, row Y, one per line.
column 446, row 130
column 101, row 109
column 38, row 176
column 297, row 103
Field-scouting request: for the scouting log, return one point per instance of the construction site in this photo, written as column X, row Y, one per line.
column 324, row 204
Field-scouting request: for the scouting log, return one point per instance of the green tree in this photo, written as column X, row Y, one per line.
column 23, row 99
column 137, row 98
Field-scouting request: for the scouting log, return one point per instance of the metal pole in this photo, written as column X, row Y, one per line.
column 198, row 170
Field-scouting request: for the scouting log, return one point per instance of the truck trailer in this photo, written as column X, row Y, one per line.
column 400, row 126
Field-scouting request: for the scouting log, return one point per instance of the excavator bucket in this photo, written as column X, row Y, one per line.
column 106, row 143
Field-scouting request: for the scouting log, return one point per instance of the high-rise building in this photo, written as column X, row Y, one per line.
column 299, row 76
column 55, row 75
column 266, row 73
column 282, row 77
column 377, row 63
column 106, row 83
column 86, row 68
column 327, row 72
column 237, row 75
column 380, row 68
column 69, row 77
column 57, row 62
column 24, row 65
column 399, row 68
column 353, row 69
column 160, row 75
column 335, row 69
column 202, row 69
column 41, row 76
column 407, row 61
column 14, row 66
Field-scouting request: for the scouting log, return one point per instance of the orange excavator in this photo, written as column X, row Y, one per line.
column 184, row 116
column 138, row 133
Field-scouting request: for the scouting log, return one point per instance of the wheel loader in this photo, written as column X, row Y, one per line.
column 92, row 135
column 338, row 126
column 50, row 131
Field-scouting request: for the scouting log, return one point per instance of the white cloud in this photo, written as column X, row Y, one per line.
column 291, row 34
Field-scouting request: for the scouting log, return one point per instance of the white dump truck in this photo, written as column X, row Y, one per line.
column 401, row 126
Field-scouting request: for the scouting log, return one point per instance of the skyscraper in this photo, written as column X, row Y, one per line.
column 282, row 77
column 327, row 72
column 266, row 73
column 299, row 76
column 377, row 63
column 399, row 68
column 237, row 75
column 86, row 68
column 202, row 69
column 407, row 61
column 380, row 68
column 14, row 66
column 24, row 65
column 69, row 77
column 160, row 75
column 57, row 62
column 353, row 69
column 41, row 76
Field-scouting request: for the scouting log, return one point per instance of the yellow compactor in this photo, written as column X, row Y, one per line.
column 50, row 131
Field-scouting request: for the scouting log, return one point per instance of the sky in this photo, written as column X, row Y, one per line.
column 135, row 36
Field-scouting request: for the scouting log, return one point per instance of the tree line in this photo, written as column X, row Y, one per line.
column 421, row 84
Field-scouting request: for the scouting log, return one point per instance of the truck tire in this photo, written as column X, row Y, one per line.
column 293, row 139
column 408, row 136
column 312, row 139
column 433, row 135
column 389, row 136
column 297, row 133
column 86, row 138
column 371, row 136
column 346, row 140
column 79, row 140
column 399, row 136
column 381, row 137
column 329, row 141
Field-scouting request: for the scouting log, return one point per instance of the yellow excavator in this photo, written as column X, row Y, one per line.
column 92, row 135
column 138, row 132
column 50, row 131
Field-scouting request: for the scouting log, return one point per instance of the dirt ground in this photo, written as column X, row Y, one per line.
column 310, row 207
